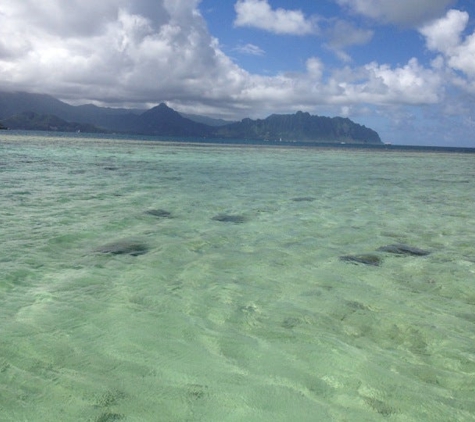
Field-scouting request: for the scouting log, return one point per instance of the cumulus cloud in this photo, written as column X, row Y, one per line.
column 76, row 18
column 142, row 51
column 463, row 57
column 445, row 36
column 259, row 14
column 409, row 84
column 371, row 84
column 400, row 12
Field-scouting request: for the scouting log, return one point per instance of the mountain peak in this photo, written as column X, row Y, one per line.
column 163, row 120
column 162, row 110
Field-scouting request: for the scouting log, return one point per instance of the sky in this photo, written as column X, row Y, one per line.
column 405, row 68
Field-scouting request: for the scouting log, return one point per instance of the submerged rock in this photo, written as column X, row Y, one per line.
column 367, row 259
column 230, row 218
column 304, row 199
column 159, row 213
column 401, row 249
column 124, row 247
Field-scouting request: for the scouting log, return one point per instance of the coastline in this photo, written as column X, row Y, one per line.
column 240, row 143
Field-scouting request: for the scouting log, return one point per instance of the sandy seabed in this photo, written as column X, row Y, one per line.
column 159, row 282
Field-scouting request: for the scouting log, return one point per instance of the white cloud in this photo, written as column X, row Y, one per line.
column 75, row 18
column 401, row 12
column 250, row 49
column 463, row 57
column 445, row 36
column 123, row 55
column 259, row 14
column 315, row 69
column 409, row 84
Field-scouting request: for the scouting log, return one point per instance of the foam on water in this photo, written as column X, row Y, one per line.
column 238, row 305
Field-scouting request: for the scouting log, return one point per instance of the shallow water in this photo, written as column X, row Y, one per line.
column 237, row 306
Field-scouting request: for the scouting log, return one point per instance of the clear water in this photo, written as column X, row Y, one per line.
column 254, row 320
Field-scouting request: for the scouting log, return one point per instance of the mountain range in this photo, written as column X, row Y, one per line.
column 21, row 110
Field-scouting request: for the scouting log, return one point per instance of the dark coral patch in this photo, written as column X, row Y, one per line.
column 230, row 218
column 367, row 259
column 124, row 247
column 401, row 249
column 159, row 213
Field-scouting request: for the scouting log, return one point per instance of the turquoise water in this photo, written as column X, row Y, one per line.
column 156, row 282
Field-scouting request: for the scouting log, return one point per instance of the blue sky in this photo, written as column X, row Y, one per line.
column 288, row 52
column 405, row 68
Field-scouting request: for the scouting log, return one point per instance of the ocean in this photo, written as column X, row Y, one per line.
column 162, row 281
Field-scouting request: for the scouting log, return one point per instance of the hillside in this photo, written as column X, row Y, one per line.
column 164, row 121
column 302, row 127
column 30, row 120
column 12, row 103
column 19, row 110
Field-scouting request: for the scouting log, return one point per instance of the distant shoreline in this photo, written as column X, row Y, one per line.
column 240, row 143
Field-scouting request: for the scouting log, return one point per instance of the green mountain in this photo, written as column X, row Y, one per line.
column 164, row 121
column 300, row 127
column 12, row 103
column 30, row 120
column 20, row 110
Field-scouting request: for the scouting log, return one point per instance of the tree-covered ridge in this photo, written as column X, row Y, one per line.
column 30, row 120
column 20, row 110
column 301, row 127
